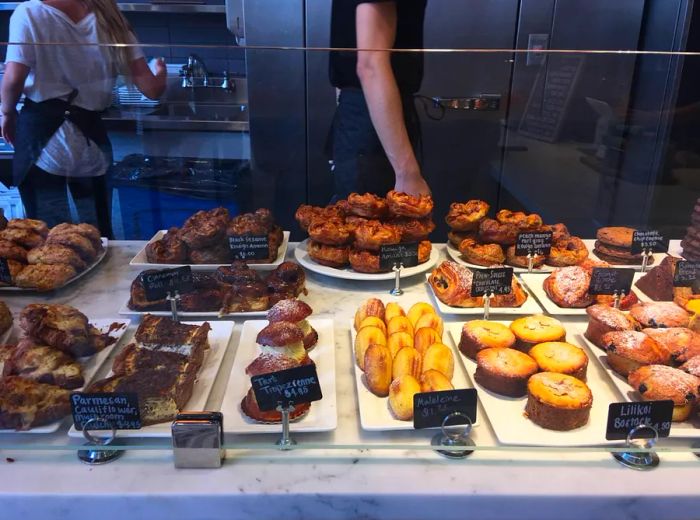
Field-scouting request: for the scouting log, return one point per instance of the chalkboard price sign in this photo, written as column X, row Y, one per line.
column 610, row 280
column 157, row 284
column 650, row 240
column 295, row 385
column 533, row 243
column 622, row 417
column 5, row 274
column 431, row 408
column 406, row 254
column 686, row 275
column 497, row 280
column 249, row 247
column 117, row 410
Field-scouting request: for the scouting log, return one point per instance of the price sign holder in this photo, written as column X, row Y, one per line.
column 638, row 438
column 454, row 434
column 646, row 255
column 397, row 290
column 487, row 305
column 612, row 281
column 173, row 304
column 96, row 453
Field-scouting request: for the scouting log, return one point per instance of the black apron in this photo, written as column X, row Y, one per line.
column 37, row 122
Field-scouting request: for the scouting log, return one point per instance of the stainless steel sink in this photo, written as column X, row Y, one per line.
column 202, row 112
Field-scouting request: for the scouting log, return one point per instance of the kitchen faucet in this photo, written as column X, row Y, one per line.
column 194, row 70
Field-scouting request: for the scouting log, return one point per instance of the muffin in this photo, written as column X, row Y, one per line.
column 558, row 401
column 659, row 315
column 480, row 334
column 629, row 349
column 560, row 358
column 680, row 343
column 504, row 371
column 531, row 330
column 603, row 319
column 658, row 382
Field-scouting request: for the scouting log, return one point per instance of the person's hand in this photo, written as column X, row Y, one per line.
column 160, row 72
column 9, row 124
column 412, row 184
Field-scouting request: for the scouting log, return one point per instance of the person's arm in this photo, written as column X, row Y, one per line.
column 376, row 29
column 150, row 84
column 12, row 86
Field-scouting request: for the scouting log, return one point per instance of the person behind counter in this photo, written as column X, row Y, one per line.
column 59, row 138
column 376, row 128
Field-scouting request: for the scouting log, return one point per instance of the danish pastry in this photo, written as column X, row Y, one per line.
column 413, row 229
column 519, row 219
column 466, row 216
column 405, row 205
column 373, row 234
column 367, row 205
column 564, row 253
column 331, row 256
column 481, row 254
column 330, row 231
column 492, row 231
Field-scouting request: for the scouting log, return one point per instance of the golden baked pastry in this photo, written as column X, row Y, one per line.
column 567, row 252
column 44, row 277
column 466, row 216
column 367, row 205
column 481, row 254
column 296, row 311
column 417, row 310
column 481, row 334
column 397, row 341
column 11, row 251
column 15, row 268
column 44, row 365
column 405, row 205
column 519, row 219
column 364, row 338
column 558, row 401
column 431, row 321
column 87, row 230
column 331, row 256
column 377, row 367
column 306, row 213
column 413, row 229
column 399, row 324
column 424, row 338
column 561, row 358
column 603, row 319
column 522, row 261
column 76, row 242
column 331, row 231
column 22, row 237
column 59, row 326
column 401, row 394
column 658, row 382
column 370, row 307
column 660, row 314
column 504, row 371
column 455, row 237
column 439, row 357
column 434, row 381
column 568, row 287
column 629, row 349
column 373, row 234
column 492, row 231
column 407, row 361
column 531, row 330
column 393, row 309
column 25, row 404
column 56, row 254
column 37, row 226
column 364, row 261
column 373, row 321
column 682, row 344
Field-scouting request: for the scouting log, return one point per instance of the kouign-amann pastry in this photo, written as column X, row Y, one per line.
column 481, row 254
column 405, row 205
column 373, row 234
column 603, row 319
column 522, row 221
column 331, row 256
column 367, row 205
column 629, row 349
column 504, row 371
column 561, row 358
column 481, row 334
column 658, row 382
column 466, row 216
column 531, row 330
column 492, row 231
column 413, row 229
column 558, row 401
column 330, row 231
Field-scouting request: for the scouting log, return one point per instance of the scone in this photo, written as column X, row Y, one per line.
column 659, row 315
column 558, row 401
column 531, row 330
column 44, row 277
column 658, row 382
column 504, row 371
column 561, row 358
column 603, row 319
column 629, row 349
column 480, row 334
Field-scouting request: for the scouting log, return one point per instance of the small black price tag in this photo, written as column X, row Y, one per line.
column 120, row 410
column 249, row 247
column 533, row 243
column 158, row 284
column 431, row 408
column 611, row 280
column 497, row 280
column 5, row 274
column 622, row 417
column 686, row 275
column 650, row 240
column 295, row 385
column 406, row 254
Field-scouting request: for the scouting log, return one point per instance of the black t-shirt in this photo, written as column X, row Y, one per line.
column 408, row 66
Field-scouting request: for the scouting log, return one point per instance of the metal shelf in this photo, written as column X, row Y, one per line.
column 149, row 8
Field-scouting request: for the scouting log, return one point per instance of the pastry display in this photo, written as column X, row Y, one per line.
column 558, row 401
column 681, row 343
column 561, row 358
column 504, row 371
column 351, row 232
column 452, row 284
column 478, row 335
column 614, row 245
column 658, row 382
column 204, row 238
column 531, row 330
column 657, row 284
column 628, row 350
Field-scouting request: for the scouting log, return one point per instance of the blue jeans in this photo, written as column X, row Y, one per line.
column 360, row 164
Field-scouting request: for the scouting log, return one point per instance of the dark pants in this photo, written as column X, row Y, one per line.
column 360, row 164
column 45, row 197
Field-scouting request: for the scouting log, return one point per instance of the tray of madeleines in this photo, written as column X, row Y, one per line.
column 534, row 382
column 398, row 354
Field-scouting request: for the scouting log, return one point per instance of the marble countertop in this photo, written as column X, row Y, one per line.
column 357, row 481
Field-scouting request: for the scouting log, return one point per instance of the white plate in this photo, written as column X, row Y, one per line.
column 679, row 430
column 219, row 338
column 640, row 293
column 457, row 257
column 374, row 411
column 91, row 366
column 100, row 257
column 323, row 414
column 126, row 311
column 302, row 256
column 140, row 260
column 529, row 307
column 506, row 414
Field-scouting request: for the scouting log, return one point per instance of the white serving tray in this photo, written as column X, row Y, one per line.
column 506, row 414
column 375, row 414
column 302, row 256
column 219, row 338
column 323, row 414
column 529, row 307
column 91, row 365
column 679, row 430
column 98, row 259
column 140, row 259
column 457, row 257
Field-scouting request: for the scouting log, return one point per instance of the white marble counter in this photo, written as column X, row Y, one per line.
column 328, row 483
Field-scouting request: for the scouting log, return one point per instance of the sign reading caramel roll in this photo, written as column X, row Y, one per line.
column 249, row 247
column 496, row 280
column 611, row 280
column 533, row 243
column 157, row 284
column 286, row 387
column 5, row 274
column 406, row 254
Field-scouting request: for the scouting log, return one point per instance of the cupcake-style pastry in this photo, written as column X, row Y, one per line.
column 558, row 401
column 295, row 311
column 680, row 343
column 603, row 319
column 658, row 382
column 480, row 334
column 504, row 371
column 282, row 338
column 531, row 330
column 561, row 358
column 659, row 315
column 630, row 349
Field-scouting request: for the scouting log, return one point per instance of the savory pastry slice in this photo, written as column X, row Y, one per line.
column 44, row 364
column 296, row 312
column 26, row 404
column 62, row 327
column 164, row 334
column 45, row 277
column 56, row 254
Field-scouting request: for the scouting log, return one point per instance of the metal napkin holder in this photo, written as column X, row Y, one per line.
column 198, row 440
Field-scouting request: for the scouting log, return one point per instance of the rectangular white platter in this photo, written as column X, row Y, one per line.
column 91, row 365
column 95, row 263
column 323, row 414
column 679, row 430
column 455, row 255
column 375, row 414
column 140, row 260
column 219, row 339
column 506, row 414
column 529, row 307
column 126, row 311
